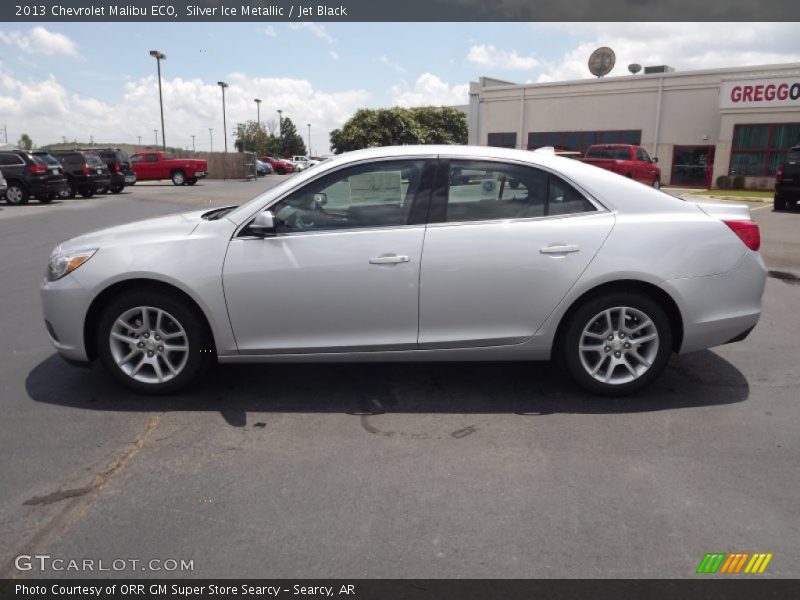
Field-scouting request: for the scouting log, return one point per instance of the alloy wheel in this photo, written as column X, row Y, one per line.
column 618, row 345
column 149, row 345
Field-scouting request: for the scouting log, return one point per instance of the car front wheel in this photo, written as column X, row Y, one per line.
column 617, row 343
column 152, row 342
column 16, row 194
column 657, row 184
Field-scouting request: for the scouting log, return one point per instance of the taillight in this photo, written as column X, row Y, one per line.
column 38, row 169
column 117, row 168
column 86, row 169
column 779, row 174
column 748, row 232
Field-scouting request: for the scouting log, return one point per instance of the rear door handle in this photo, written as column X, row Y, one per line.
column 560, row 249
column 389, row 259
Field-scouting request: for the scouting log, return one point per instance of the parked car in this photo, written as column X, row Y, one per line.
column 28, row 175
column 279, row 165
column 787, row 181
column 86, row 173
column 304, row 162
column 154, row 165
column 627, row 160
column 263, row 168
column 3, row 186
column 618, row 281
column 119, row 167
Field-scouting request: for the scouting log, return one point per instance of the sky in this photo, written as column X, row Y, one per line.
column 76, row 80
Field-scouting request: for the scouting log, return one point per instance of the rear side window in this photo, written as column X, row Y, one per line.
column 10, row 159
column 609, row 153
column 487, row 191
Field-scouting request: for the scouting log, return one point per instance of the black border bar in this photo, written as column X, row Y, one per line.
column 733, row 588
column 265, row 11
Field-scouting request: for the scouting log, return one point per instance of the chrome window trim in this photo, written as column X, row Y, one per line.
column 522, row 219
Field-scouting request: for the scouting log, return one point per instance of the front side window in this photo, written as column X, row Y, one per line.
column 151, row 158
column 372, row 195
column 486, row 191
column 136, row 158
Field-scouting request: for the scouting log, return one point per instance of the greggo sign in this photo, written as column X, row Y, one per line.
column 761, row 93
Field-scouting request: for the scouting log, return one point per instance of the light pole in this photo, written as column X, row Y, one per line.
column 211, row 138
column 192, row 144
column 309, row 140
column 280, row 122
column 258, row 111
column 159, row 56
column 223, row 85
column 140, row 139
column 156, row 132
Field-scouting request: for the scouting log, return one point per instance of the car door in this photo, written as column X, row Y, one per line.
column 506, row 243
column 341, row 273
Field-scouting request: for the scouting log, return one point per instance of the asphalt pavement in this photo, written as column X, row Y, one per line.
column 402, row 470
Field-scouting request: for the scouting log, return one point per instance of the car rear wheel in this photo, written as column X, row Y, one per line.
column 117, row 188
column 45, row 198
column 87, row 193
column 191, row 181
column 779, row 202
column 152, row 342
column 617, row 343
column 178, row 178
column 280, row 171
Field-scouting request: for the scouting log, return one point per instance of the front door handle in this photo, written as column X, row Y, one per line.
column 388, row 259
column 560, row 249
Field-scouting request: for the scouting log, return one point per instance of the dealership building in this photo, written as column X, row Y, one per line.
column 700, row 124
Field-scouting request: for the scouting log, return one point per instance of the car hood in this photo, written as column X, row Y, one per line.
column 149, row 230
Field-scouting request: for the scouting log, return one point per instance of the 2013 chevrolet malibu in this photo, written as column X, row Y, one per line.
column 415, row 254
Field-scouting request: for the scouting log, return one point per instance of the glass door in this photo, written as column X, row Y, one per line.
column 692, row 166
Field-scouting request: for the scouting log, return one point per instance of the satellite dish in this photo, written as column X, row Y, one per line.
column 634, row 68
column 602, row 61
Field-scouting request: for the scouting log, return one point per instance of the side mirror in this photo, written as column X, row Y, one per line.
column 264, row 224
column 321, row 198
column 655, row 159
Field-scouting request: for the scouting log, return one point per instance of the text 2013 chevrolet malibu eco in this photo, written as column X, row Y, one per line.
column 415, row 254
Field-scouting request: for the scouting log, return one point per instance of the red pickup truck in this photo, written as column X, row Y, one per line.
column 627, row 160
column 152, row 164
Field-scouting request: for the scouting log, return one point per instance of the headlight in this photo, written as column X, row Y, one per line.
column 63, row 263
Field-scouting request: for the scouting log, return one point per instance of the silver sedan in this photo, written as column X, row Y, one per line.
column 415, row 254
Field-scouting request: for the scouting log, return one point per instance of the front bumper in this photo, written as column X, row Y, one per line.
column 718, row 309
column 64, row 303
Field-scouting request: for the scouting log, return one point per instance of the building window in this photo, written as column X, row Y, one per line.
column 758, row 150
column 581, row 140
column 503, row 140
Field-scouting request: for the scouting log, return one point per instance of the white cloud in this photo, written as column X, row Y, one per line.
column 429, row 90
column 685, row 46
column 40, row 41
column 488, row 56
column 384, row 60
column 47, row 111
column 333, row 54
column 268, row 31
column 315, row 29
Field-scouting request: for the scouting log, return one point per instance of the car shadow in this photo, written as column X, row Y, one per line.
column 236, row 391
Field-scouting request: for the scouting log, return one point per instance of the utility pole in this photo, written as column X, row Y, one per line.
column 140, row 139
column 159, row 56
column 211, row 137
column 309, row 140
column 5, row 133
column 192, row 144
column 156, row 132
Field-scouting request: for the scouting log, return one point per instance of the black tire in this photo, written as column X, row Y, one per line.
column 71, row 191
column 779, row 203
column 45, row 198
column 200, row 348
column 87, row 192
column 117, row 188
column 178, row 178
column 657, row 184
column 191, row 181
column 280, row 171
column 16, row 194
column 569, row 344
column 101, row 190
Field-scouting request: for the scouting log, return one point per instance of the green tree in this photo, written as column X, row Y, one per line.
column 399, row 126
column 291, row 142
column 25, row 142
column 251, row 137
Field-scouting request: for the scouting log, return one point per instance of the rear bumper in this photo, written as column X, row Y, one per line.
column 719, row 309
